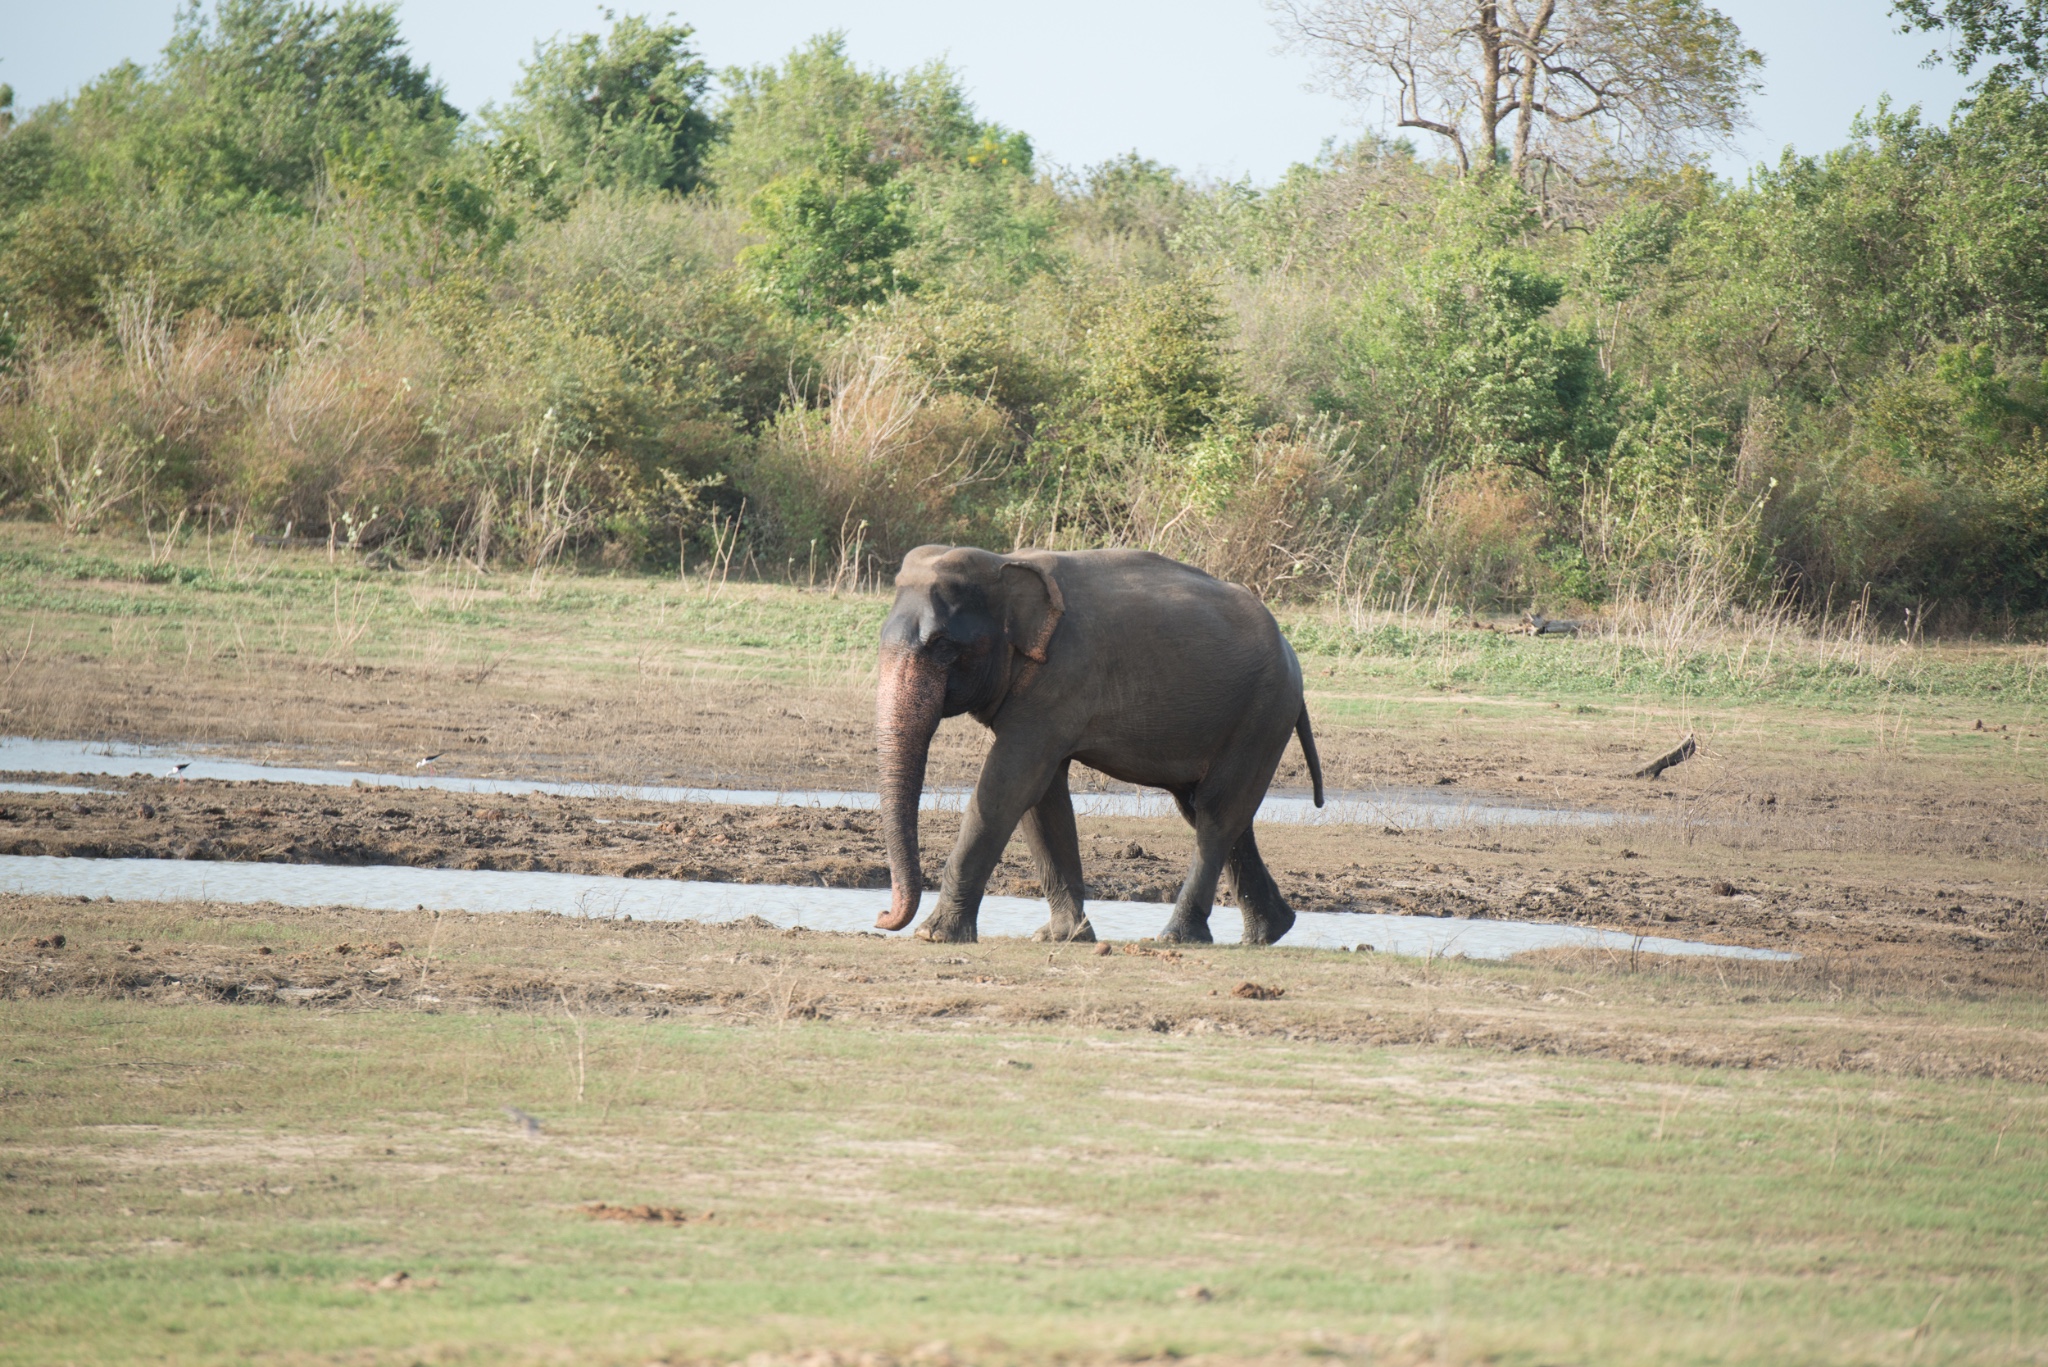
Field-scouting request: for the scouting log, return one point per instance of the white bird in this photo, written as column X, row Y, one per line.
column 177, row 771
column 430, row 759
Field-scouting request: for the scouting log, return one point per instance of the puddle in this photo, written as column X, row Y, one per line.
column 54, row 788
column 392, row 888
column 1417, row 808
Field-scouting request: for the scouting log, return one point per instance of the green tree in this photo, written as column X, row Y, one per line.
column 844, row 171
column 249, row 101
column 831, row 241
column 1154, row 367
column 819, row 111
column 625, row 108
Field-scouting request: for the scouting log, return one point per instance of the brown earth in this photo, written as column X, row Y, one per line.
column 1824, row 1012
column 1870, row 910
column 1808, row 779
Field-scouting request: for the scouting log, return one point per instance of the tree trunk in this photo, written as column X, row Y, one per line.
column 1489, row 81
column 1525, row 95
column 1678, row 756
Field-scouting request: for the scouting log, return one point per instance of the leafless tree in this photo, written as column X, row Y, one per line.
column 1589, row 87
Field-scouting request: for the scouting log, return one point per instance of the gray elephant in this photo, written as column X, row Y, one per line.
column 1145, row 669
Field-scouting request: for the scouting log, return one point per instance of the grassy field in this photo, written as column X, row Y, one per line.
column 225, row 598
column 982, row 1155
column 875, row 1153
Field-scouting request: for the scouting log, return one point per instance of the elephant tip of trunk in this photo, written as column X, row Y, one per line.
column 902, row 911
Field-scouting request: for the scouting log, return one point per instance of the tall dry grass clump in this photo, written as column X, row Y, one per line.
column 341, row 429
column 1481, row 533
column 1267, row 511
column 90, row 429
column 883, row 463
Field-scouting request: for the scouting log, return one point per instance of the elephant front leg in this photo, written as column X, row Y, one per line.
column 1012, row 780
column 1056, row 845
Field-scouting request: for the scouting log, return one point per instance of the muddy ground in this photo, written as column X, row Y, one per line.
column 533, row 721
column 1820, row 1013
column 1821, row 905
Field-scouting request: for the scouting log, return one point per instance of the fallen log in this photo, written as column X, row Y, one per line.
column 1684, row 752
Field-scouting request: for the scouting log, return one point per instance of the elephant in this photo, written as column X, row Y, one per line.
column 1140, row 667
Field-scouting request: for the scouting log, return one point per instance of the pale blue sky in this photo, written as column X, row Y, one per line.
column 1198, row 84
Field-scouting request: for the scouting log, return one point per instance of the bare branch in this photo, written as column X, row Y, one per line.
column 1590, row 86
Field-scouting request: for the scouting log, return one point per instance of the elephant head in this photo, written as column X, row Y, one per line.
column 967, row 628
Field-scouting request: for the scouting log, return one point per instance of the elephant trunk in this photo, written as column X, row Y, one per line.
column 907, row 707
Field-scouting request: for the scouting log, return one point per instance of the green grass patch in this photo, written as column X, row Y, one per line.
column 103, row 595
column 203, row 1182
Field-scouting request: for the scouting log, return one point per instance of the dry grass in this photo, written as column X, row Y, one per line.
column 877, row 1147
column 883, row 464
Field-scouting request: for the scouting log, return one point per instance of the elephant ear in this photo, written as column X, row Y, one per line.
column 1033, row 604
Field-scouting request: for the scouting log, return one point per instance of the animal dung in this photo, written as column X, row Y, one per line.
column 1198, row 1294
column 1258, row 992
column 1724, row 888
column 394, row 1281
column 50, row 942
column 642, row 1214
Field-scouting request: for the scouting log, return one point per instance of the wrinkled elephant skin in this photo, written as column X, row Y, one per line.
column 1142, row 668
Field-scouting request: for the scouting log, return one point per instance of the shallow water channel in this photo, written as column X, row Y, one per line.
column 396, row 888
column 1418, row 808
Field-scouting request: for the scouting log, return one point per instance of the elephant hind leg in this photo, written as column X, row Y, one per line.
column 1266, row 914
column 1056, row 846
column 1189, row 923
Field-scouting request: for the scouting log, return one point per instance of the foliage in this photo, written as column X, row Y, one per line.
column 831, row 241
column 2014, row 31
column 832, row 311
column 622, row 109
column 250, row 99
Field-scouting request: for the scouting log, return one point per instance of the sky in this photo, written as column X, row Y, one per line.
column 1197, row 84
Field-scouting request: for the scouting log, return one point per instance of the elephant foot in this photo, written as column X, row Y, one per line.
column 1268, row 928
column 956, row 930
column 1070, row 934
column 1179, row 932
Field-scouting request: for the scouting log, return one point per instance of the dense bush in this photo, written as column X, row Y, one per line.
column 821, row 314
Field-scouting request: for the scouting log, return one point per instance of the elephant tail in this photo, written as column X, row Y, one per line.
column 1308, row 752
